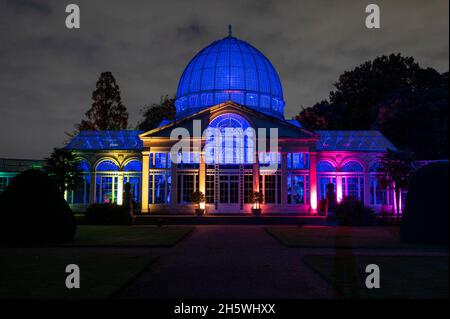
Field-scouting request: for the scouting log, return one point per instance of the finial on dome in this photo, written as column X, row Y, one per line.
column 230, row 30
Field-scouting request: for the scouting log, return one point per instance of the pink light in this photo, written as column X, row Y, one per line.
column 395, row 202
column 313, row 200
column 339, row 192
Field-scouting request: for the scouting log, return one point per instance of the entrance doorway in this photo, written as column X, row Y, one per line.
column 229, row 191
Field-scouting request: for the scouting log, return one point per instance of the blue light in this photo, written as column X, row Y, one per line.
column 133, row 166
column 324, row 166
column 352, row 166
column 106, row 140
column 370, row 141
column 107, row 166
column 230, row 69
column 298, row 160
column 83, row 166
column 236, row 146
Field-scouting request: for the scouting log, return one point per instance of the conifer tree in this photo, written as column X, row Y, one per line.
column 107, row 111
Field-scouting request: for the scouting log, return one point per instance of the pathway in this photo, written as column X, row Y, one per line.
column 229, row 262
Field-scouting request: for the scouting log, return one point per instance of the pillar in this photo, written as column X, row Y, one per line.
column 92, row 186
column 313, row 181
column 120, row 189
column 202, row 175
column 145, row 169
column 339, row 188
column 367, row 188
column 284, row 177
column 174, row 177
column 256, row 176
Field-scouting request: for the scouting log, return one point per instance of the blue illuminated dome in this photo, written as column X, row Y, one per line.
column 230, row 69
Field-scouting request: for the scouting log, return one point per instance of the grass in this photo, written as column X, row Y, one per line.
column 139, row 236
column 43, row 276
column 405, row 277
column 338, row 237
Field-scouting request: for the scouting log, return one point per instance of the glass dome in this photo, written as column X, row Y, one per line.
column 230, row 69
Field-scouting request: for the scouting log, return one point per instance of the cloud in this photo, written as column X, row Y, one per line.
column 47, row 72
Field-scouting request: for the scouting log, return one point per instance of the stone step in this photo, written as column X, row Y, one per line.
column 228, row 220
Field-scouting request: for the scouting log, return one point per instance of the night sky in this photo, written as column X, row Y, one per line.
column 48, row 73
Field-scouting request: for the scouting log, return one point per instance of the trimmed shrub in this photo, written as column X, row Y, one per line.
column 33, row 211
column 352, row 212
column 425, row 217
column 108, row 214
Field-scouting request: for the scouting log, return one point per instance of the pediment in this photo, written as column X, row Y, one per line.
column 255, row 118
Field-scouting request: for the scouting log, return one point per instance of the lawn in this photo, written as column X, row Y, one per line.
column 35, row 275
column 338, row 237
column 418, row 277
column 139, row 236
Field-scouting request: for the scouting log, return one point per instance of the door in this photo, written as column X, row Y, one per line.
column 229, row 191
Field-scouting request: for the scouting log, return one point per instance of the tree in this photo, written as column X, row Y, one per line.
column 396, row 168
column 423, row 114
column 393, row 94
column 62, row 167
column 321, row 116
column 107, row 111
column 154, row 114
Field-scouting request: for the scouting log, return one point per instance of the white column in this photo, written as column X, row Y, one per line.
column 120, row 189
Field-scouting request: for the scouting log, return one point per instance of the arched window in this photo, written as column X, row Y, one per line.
column 107, row 165
column 324, row 166
column 352, row 166
column 133, row 166
column 106, row 182
column 353, row 180
column 132, row 175
column 326, row 175
column 229, row 140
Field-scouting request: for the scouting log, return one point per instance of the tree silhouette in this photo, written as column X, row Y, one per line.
column 422, row 114
column 107, row 111
column 62, row 167
column 396, row 168
column 154, row 114
column 393, row 94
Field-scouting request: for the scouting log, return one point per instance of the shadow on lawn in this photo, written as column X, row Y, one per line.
column 344, row 264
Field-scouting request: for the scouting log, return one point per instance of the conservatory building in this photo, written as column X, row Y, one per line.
column 230, row 86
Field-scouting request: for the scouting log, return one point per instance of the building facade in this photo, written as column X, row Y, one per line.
column 10, row 167
column 230, row 86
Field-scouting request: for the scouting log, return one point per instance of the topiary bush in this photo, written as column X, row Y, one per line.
column 425, row 217
column 33, row 211
column 352, row 212
column 108, row 214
